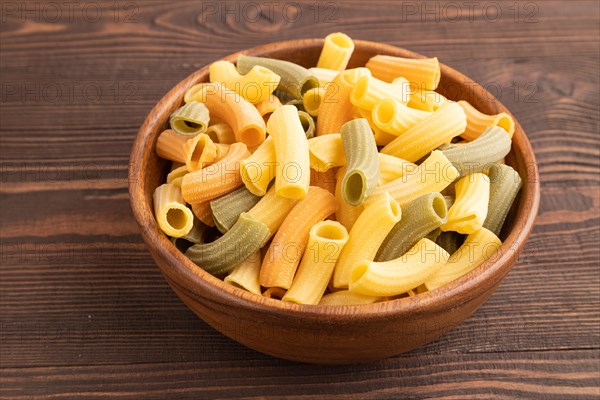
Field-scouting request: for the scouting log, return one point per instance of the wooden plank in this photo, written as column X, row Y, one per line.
column 527, row 375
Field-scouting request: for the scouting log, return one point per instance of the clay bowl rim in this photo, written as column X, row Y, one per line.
column 203, row 287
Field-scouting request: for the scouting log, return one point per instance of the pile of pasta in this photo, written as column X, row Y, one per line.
column 330, row 185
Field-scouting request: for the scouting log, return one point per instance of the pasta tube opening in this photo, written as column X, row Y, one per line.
column 384, row 112
column 177, row 218
column 438, row 205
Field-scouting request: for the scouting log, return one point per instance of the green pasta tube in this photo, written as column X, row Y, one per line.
column 244, row 238
column 419, row 218
column 295, row 80
column 307, row 123
column 191, row 119
column 505, row 184
column 362, row 161
column 450, row 241
column 476, row 156
column 227, row 209
column 196, row 235
column 434, row 234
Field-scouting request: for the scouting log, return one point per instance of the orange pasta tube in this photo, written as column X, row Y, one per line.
column 284, row 254
column 268, row 105
column 217, row 179
column 478, row 122
column 196, row 152
column 245, row 120
column 336, row 108
column 424, row 73
column 203, row 212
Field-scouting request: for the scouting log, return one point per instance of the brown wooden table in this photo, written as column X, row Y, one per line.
column 84, row 313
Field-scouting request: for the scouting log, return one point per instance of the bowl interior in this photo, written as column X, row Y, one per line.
column 148, row 171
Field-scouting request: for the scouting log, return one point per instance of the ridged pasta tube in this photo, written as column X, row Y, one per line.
column 478, row 122
column 247, row 124
column 284, row 254
column 255, row 86
column 324, row 75
column 419, row 218
column 226, row 209
column 244, row 238
column 394, row 277
column 470, row 207
column 476, row 156
column 268, row 105
column 272, row 210
column 346, row 298
column 346, row 214
column 312, row 100
column 308, row 124
column 505, row 184
column 324, row 180
column 217, row 179
column 336, row 52
column 245, row 275
column 196, row 152
column 477, row 248
column 292, row 172
column 424, row 73
column 366, row 235
column 203, row 212
column 221, row 133
column 362, row 161
column 392, row 168
column 295, row 80
column 176, row 175
column 172, row 215
column 336, row 108
column 426, row 100
column 326, row 152
column 438, row 128
column 326, row 240
column 190, row 119
column 395, row 118
column 258, row 170
column 433, row 175
column 381, row 138
column 369, row 91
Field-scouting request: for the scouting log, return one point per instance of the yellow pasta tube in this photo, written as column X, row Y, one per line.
column 217, row 179
column 176, row 175
column 394, row 277
column 346, row 298
column 203, row 212
column 271, row 210
column 393, row 117
column 292, row 172
column 477, row 248
column 255, row 86
column 326, row 152
column 478, row 122
column 268, row 105
column 324, row 75
column 437, row 129
column 245, row 275
column 312, row 100
column 336, row 108
column 381, row 138
column 433, row 175
column 325, row 242
column 258, row 170
column 336, row 52
column 172, row 215
column 284, row 254
column 470, row 208
column 423, row 73
column 221, row 133
column 368, row 232
column 196, row 152
column 392, row 168
column 247, row 124
column 426, row 100
column 369, row 91
column 346, row 214
column 195, row 93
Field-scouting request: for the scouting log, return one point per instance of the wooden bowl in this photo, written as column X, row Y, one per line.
column 329, row 334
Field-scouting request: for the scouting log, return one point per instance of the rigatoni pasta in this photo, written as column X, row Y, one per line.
column 333, row 186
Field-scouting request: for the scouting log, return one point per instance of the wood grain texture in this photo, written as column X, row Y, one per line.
column 80, row 295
